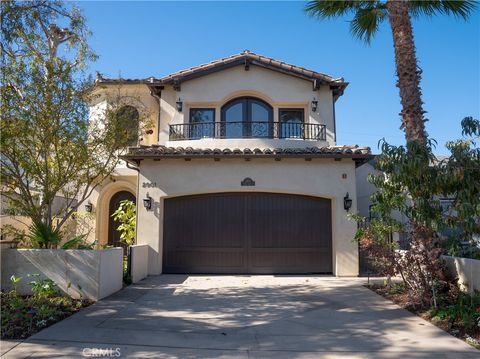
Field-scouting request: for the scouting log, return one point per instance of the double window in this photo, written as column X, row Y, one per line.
column 246, row 117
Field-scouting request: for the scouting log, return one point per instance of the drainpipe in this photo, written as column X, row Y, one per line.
column 156, row 92
column 132, row 167
column 334, row 123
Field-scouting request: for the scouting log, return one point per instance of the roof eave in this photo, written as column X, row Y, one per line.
column 359, row 159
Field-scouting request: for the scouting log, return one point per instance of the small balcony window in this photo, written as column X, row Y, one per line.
column 202, row 123
column 291, row 122
column 126, row 126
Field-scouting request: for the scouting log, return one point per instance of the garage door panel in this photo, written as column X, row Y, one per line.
column 247, row 233
column 205, row 261
column 204, row 221
column 294, row 222
column 290, row 261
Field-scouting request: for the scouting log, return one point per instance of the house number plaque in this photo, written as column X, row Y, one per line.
column 149, row 184
column 248, row 182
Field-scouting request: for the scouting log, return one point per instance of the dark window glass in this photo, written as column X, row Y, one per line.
column 291, row 123
column 202, row 122
column 234, row 116
column 247, row 117
column 127, row 126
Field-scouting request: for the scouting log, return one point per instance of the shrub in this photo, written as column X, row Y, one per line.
column 43, row 287
column 411, row 181
column 24, row 316
column 126, row 215
column 462, row 310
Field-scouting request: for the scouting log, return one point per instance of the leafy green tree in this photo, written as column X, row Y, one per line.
column 48, row 145
column 412, row 171
column 367, row 17
column 126, row 214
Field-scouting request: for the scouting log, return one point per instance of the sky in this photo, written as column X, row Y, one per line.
column 141, row 39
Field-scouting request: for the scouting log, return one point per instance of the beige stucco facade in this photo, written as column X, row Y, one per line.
column 318, row 178
column 167, row 178
column 278, row 90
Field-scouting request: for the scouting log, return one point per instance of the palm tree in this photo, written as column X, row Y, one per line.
column 367, row 16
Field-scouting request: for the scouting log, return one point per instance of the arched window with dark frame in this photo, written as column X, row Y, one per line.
column 246, row 117
column 127, row 125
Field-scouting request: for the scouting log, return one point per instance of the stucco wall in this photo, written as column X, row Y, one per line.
column 364, row 188
column 137, row 95
column 78, row 273
column 122, row 180
column 466, row 270
column 319, row 177
column 279, row 90
column 139, row 262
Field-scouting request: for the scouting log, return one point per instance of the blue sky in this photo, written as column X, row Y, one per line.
column 142, row 39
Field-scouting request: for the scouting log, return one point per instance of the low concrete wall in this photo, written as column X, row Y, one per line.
column 90, row 274
column 466, row 270
column 138, row 262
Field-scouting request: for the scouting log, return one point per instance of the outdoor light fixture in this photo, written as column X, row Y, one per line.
column 179, row 105
column 314, row 104
column 147, row 202
column 347, row 202
column 89, row 207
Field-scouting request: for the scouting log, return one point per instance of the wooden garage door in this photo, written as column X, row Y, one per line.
column 247, row 233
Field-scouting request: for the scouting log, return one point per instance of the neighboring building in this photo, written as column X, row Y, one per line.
column 364, row 192
column 240, row 172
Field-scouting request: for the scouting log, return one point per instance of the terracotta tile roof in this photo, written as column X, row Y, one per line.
column 246, row 57
column 361, row 154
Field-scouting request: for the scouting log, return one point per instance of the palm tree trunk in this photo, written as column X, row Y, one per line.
column 407, row 72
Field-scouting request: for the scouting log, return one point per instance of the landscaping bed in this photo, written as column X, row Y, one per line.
column 457, row 313
column 23, row 316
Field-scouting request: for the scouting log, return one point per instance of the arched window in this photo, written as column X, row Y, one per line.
column 127, row 118
column 246, row 117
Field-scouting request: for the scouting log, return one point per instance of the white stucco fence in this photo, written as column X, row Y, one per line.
column 466, row 270
column 138, row 262
column 92, row 274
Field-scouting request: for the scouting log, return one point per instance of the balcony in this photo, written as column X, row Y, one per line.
column 234, row 130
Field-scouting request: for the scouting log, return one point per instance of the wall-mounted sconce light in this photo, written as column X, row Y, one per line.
column 89, row 207
column 314, row 105
column 147, row 202
column 347, row 202
column 179, row 105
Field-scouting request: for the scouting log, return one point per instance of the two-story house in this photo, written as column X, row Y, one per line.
column 240, row 172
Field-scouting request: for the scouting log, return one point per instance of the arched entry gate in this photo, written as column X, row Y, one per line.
column 113, row 233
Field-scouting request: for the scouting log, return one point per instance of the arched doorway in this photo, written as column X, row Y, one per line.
column 113, row 234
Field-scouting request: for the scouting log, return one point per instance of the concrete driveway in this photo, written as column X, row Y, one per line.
column 176, row 316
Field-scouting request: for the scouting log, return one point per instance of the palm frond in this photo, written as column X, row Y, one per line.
column 458, row 8
column 368, row 14
column 366, row 22
column 328, row 9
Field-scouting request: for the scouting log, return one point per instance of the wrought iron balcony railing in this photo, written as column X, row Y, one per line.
column 284, row 130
